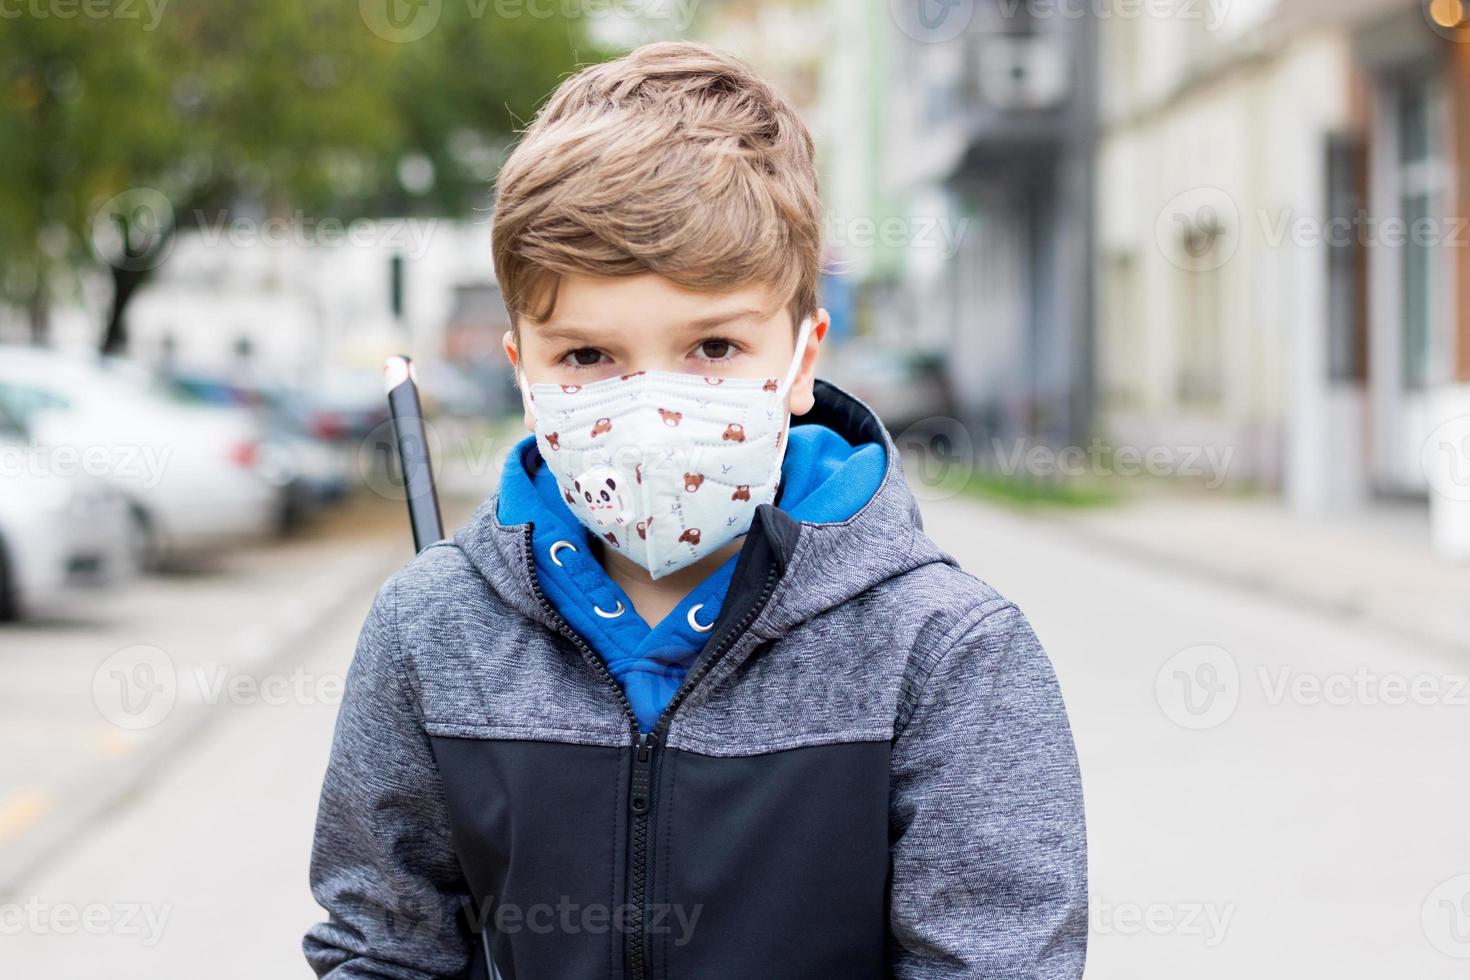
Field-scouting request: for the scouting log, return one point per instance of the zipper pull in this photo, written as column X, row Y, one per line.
column 642, row 770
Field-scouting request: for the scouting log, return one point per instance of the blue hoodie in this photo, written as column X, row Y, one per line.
column 823, row 479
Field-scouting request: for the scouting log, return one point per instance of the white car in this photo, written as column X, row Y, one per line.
column 56, row 530
column 193, row 476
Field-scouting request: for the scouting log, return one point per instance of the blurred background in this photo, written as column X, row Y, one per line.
column 1166, row 302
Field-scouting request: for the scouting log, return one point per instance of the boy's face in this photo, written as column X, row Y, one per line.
column 604, row 327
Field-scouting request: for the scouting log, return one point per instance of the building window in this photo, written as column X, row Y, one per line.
column 1201, row 351
column 1420, row 162
column 1346, row 326
column 1123, row 364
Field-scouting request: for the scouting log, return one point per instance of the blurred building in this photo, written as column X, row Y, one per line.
column 992, row 139
column 1277, row 242
column 295, row 301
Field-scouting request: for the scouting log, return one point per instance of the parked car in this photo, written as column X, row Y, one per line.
column 58, row 529
column 194, row 477
column 312, row 471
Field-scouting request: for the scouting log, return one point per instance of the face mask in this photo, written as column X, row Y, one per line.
column 664, row 467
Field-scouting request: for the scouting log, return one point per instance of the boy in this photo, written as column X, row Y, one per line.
column 692, row 696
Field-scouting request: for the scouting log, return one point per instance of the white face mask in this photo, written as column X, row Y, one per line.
column 664, row 467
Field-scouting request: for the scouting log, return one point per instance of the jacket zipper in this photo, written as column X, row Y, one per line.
column 641, row 791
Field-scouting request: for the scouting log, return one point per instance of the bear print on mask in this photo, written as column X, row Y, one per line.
column 601, row 426
column 742, row 492
column 734, row 432
column 770, row 385
column 642, row 527
column 690, row 535
column 571, row 389
column 670, row 418
column 553, row 440
column 612, row 538
column 692, row 481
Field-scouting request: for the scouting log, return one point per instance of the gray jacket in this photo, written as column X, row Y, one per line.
column 868, row 774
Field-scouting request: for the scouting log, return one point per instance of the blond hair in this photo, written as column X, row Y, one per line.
column 675, row 159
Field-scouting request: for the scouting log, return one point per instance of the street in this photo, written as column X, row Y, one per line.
column 1272, row 790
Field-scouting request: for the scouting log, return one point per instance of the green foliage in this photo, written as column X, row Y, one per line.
column 275, row 104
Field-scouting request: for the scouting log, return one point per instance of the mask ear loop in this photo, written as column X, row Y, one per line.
column 802, row 336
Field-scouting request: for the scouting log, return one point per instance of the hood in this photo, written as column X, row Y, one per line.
column 820, row 564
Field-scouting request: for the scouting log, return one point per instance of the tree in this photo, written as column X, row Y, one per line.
column 120, row 131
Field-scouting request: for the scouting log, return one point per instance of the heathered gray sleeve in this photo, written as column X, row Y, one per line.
column 989, row 844
column 383, row 865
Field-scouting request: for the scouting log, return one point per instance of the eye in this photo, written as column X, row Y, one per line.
column 605, row 496
column 716, row 349
column 583, row 357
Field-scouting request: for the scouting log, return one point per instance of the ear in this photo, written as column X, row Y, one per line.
column 801, row 398
column 508, row 343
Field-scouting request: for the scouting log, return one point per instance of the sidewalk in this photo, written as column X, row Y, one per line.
column 1375, row 563
column 172, row 652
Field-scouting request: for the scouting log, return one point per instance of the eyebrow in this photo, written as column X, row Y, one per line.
column 575, row 333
